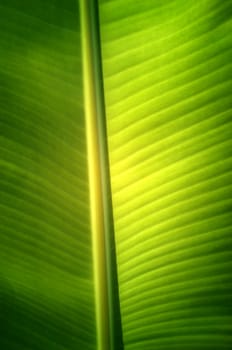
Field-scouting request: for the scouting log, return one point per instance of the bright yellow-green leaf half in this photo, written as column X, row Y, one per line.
column 168, row 89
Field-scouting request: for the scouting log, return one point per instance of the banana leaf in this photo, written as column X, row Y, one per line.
column 160, row 73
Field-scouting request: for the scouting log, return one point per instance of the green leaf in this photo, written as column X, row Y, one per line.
column 161, row 111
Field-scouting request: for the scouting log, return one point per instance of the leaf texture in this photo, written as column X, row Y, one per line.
column 46, row 284
column 167, row 80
